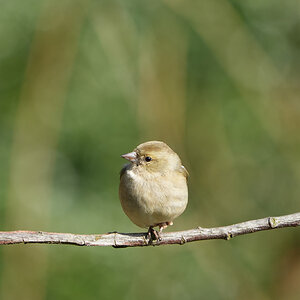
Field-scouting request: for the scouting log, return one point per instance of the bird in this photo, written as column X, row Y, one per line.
column 153, row 187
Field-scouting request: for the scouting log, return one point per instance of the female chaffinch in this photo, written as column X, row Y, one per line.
column 153, row 186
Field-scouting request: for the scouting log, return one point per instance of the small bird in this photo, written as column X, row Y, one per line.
column 153, row 186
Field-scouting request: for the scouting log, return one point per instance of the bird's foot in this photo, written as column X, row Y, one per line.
column 164, row 225
column 152, row 234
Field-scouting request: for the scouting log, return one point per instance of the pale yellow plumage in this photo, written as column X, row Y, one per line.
column 153, row 186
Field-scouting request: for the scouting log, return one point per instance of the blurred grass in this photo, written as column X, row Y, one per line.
column 85, row 81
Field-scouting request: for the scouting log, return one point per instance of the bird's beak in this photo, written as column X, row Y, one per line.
column 130, row 156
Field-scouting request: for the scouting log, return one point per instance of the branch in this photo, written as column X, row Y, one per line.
column 120, row 240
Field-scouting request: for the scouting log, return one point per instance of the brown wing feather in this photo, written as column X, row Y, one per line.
column 185, row 172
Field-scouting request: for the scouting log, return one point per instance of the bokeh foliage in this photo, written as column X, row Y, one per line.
column 85, row 81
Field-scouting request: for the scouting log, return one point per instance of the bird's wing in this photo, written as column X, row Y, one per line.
column 185, row 172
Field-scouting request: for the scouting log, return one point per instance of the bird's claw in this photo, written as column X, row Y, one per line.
column 153, row 234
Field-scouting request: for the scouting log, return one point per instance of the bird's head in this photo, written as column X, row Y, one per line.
column 154, row 156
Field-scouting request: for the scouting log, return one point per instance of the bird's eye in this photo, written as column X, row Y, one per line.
column 148, row 158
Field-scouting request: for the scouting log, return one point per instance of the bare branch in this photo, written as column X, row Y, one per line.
column 120, row 240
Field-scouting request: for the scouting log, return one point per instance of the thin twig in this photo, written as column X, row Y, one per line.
column 120, row 240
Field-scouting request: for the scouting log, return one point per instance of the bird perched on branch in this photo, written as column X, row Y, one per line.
column 153, row 186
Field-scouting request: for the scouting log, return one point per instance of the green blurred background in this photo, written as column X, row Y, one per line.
column 83, row 82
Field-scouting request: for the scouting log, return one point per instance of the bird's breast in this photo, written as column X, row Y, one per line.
column 149, row 198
